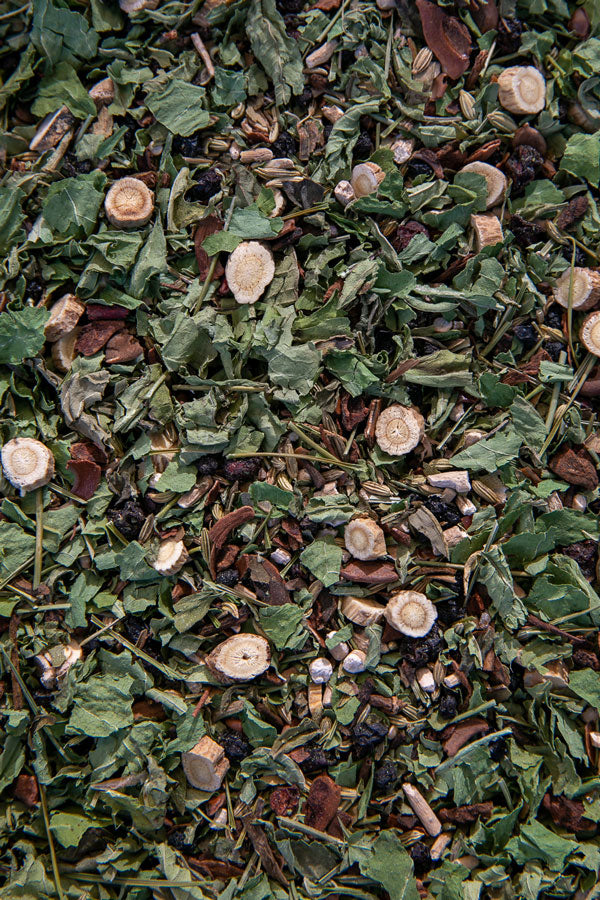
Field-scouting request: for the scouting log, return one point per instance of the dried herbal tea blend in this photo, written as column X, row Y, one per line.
column 300, row 347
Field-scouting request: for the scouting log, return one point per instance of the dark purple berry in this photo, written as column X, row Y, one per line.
column 527, row 335
column 366, row 736
column 241, row 469
column 444, row 512
column 207, row 465
column 523, row 164
column 498, row 749
column 235, row 746
column 128, row 519
column 421, row 857
column 386, row 776
column 526, row 233
column 228, row 577
column 553, row 317
column 285, row 145
column 364, row 146
column 447, row 707
column 207, row 185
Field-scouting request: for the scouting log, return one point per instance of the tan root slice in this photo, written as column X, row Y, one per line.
column 27, row 463
column 522, row 90
column 344, row 193
column 362, row 610
column 422, row 810
column 240, row 658
column 205, row 765
column 171, row 557
column 129, row 203
column 250, row 268
column 399, row 429
column 411, row 613
column 52, row 130
column 64, row 316
column 103, row 92
column 590, row 333
column 366, row 178
column 133, row 6
column 355, row 662
column 585, row 292
column 364, row 539
column 495, row 180
column 63, row 350
column 488, row 231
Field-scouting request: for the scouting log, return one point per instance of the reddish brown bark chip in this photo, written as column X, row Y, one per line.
column 575, row 468
column 87, row 477
column 284, row 800
column 464, row 815
column 463, row 733
column 221, row 530
column 447, row 38
column 369, row 573
column 94, row 336
column 26, row 790
column 123, row 348
column 96, row 312
column 208, row 225
column 573, row 211
column 485, row 14
column 568, row 814
column 322, row 802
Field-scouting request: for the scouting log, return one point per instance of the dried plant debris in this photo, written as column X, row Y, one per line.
column 299, row 437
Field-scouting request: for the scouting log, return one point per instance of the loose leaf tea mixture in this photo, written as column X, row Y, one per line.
column 300, row 345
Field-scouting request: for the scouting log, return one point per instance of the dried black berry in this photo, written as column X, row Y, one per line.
column 522, row 165
column 386, row 776
column 241, row 469
column 498, row 749
column 35, row 289
column 450, row 610
column 235, row 746
column 71, row 166
column 177, row 840
column 553, row 349
column 134, row 626
column 364, row 146
column 585, row 554
column 305, row 98
column 581, row 258
column 527, row 335
column 421, row 857
column 509, row 36
column 553, row 317
column 287, row 7
column 447, row 707
column 207, row 185
column 317, row 759
column 526, row 233
column 228, row 577
column 416, row 167
column 207, row 465
column 285, row 145
column 366, row 736
column 444, row 512
column 128, row 519
column 191, row 146
column 418, row 651
column 405, row 232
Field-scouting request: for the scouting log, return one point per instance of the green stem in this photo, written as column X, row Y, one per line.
column 39, row 537
column 53, row 858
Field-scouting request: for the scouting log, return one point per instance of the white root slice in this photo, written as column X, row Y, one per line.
column 320, row 670
column 364, row 539
column 585, row 292
column 133, row 6
column 362, row 610
column 63, row 350
column 56, row 662
column 51, row 130
column 522, row 90
column 355, row 662
column 495, row 181
column 129, row 203
column 590, row 333
column 366, row 178
column 399, row 429
column 241, row 657
column 64, row 316
column 411, row 613
column 171, row 557
column 250, row 268
column 340, row 651
column 456, row 479
column 27, row 463
column 344, row 193
column 205, row 765
column 487, row 230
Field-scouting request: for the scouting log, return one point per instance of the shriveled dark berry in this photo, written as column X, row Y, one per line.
column 285, row 145
column 527, row 335
column 317, row 759
column 498, row 749
column 304, row 99
column 526, row 233
column 228, row 577
column 191, row 146
column 585, row 659
column 366, row 736
column 553, row 317
column 405, row 232
column 421, row 857
column 207, row 465
column 553, row 349
column 134, row 626
column 35, row 289
column 585, row 554
column 71, row 166
column 241, row 469
column 177, row 840
column 581, row 258
column 447, row 707
column 207, row 185
column 418, row 651
column 287, row 7
column 386, row 776
column 416, row 167
column 444, row 512
column 522, row 165
column 128, row 519
column 364, row 146
column 509, row 36
column 450, row 610
column 235, row 746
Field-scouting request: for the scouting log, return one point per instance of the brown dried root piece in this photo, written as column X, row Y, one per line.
column 366, row 178
column 64, row 316
column 495, row 181
column 522, row 90
column 585, row 292
column 129, row 203
column 362, row 610
column 51, row 130
column 411, row 613
column 399, row 429
column 205, row 765
column 63, row 350
column 135, row 6
column 171, row 557
column 54, row 663
column 422, row 810
column 487, row 230
column 250, row 268
column 364, row 539
column 240, row 658
column 590, row 333
column 27, row 463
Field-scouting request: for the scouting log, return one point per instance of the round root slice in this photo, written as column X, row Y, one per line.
column 366, row 178
column 320, row 670
column 205, row 765
column 495, row 181
column 64, row 316
column 399, row 429
column 362, row 610
column 63, row 350
column 411, row 613
column 240, row 658
column 364, row 539
column 488, row 231
column 27, row 463
column 522, row 90
column 585, row 291
column 129, row 203
column 171, row 557
column 250, row 268
column 590, row 333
